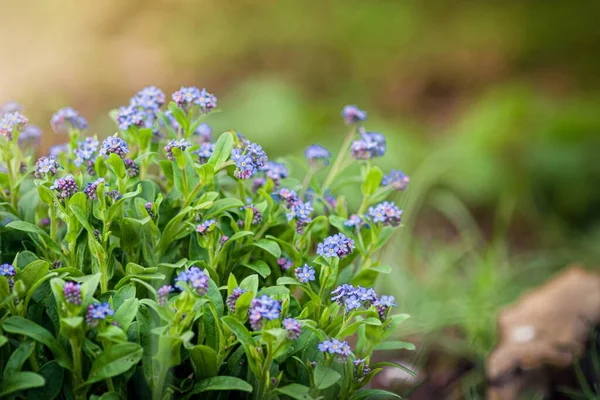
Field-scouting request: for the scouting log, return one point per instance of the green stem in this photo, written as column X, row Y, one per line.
column 77, row 369
column 11, row 179
column 53, row 221
column 338, row 160
column 185, row 183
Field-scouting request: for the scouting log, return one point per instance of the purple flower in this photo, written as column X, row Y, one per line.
column 196, row 278
column 371, row 145
column 10, row 107
column 114, row 144
column 66, row 120
column 383, row 304
column 289, row 196
column 180, row 144
column 354, row 297
column 46, row 166
column 342, row 291
column 148, row 207
column 65, row 187
column 275, row 171
column 223, row 239
column 263, row 308
column 316, row 154
column 305, row 273
column 355, row 220
column 362, row 368
column 163, row 294
column 97, row 312
column 248, row 159
column 396, row 179
column 7, row 270
column 204, row 152
column 72, row 292
column 284, row 263
column 130, row 116
column 11, row 124
column 150, row 99
column 31, row 133
column 351, row 302
column 256, row 215
column 86, row 151
column 132, row 169
column 386, row 213
column 233, row 297
column 188, row 96
column 352, row 114
column 205, row 132
column 57, row 150
column 335, row 348
column 293, row 327
column 338, row 245
column 90, row 189
column 206, row 226
column 114, row 195
column 257, row 183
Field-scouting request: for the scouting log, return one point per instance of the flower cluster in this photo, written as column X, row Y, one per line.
column 196, row 278
column 256, row 214
column 149, row 209
column 30, row 133
column 8, row 271
column 132, row 169
column 305, row 273
column 91, row 188
column 46, row 166
column 248, row 160
column 296, row 209
column 334, row 347
column 396, row 179
column 65, row 187
column 355, row 220
column 371, row 145
column 98, row 312
column 263, row 308
column 284, row 263
column 293, row 327
column 86, row 152
column 317, row 155
column 354, row 297
column 275, row 171
column 163, row 293
column 204, row 132
column 142, row 109
column 114, row 145
column 205, row 226
column 66, row 120
column 187, row 97
column 384, row 304
column 362, row 368
column 204, row 152
column 352, row 114
column 233, row 298
column 180, row 144
column 130, row 116
column 386, row 213
column 12, row 123
column 72, row 292
column 338, row 245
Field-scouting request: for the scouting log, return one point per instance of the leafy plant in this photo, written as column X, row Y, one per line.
column 152, row 265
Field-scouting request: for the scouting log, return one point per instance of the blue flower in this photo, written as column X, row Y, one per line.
column 90, row 189
column 293, row 328
column 205, row 132
column 249, row 159
column 163, row 294
column 396, row 179
column 114, row 144
column 188, row 96
column 180, row 144
column 30, row 133
column 354, row 221
column 57, row 150
column 11, row 124
column 46, row 166
column 275, row 171
column 261, row 308
column 97, row 312
column 316, row 154
column 371, row 145
column 352, row 114
column 233, row 298
column 196, row 278
column 305, row 273
column 149, row 98
column 336, row 348
column 67, row 119
column 206, row 226
column 204, row 152
column 284, row 263
column 338, row 245
column 86, row 151
column 384, row 304
column 7, row 270
column 386, row 213
column 65, row 187
column 131, row 116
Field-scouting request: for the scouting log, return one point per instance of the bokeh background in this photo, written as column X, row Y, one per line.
column 492, row 109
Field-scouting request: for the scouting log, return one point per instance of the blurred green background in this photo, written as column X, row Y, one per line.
column 492, row 109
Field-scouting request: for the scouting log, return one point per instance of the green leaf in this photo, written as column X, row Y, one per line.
column 125, row 314
column 33, row 272
column 117, row 165
column 53, row 374
column 269, row 246
column 114, row 361
column 31, row 228
column 204, row 360
column 259, row 266
column 373, row 393
column 244, row 337
column 22, row 326
column 18, row 358
column 325, row 377
column 221, row 383
column 20, row 381
column 395, row 345
column 3, row 340
column 124, row 293
column 291, row 251
column 222, row 150
column 286, row 280
column 383, row 364
column 250, row 283
column 372, row 181
column 221, row 205
column 295, row 391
